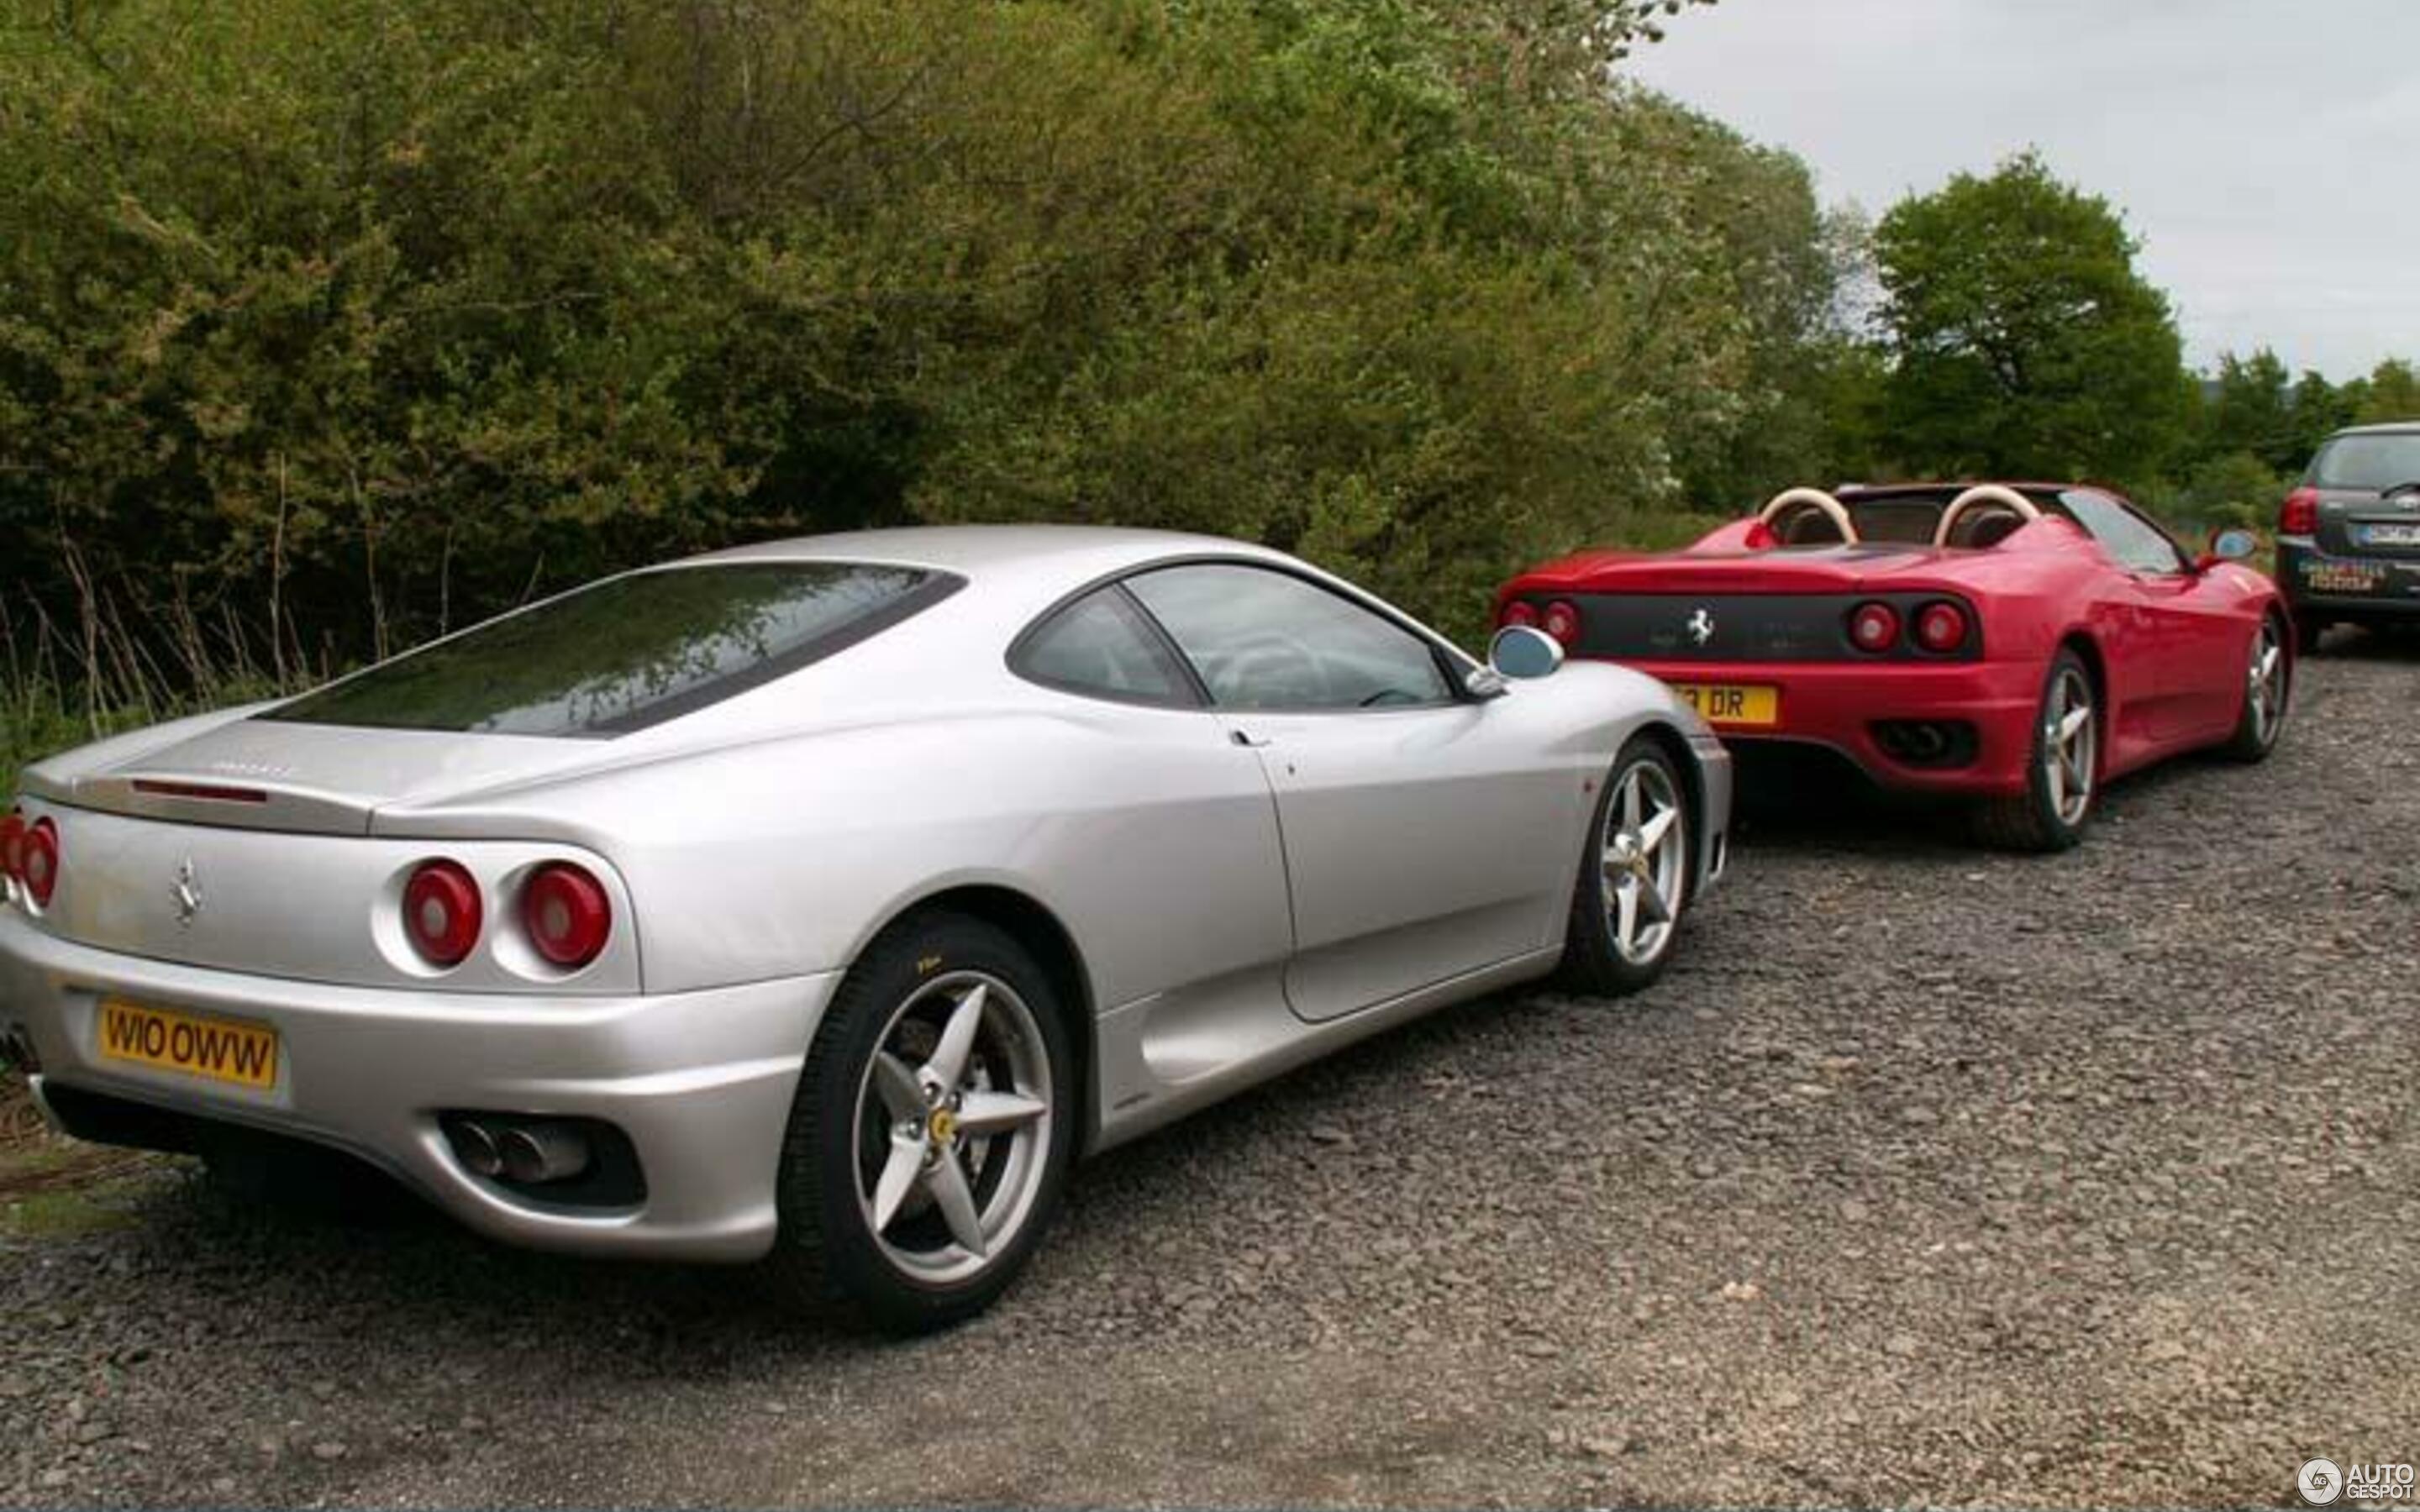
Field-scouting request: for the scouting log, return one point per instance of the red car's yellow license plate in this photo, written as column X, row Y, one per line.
column 1733, row 703
column 220, row 1049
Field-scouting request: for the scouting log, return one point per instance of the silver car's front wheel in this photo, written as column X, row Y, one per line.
column 930, row 1135
column 1634, row 881
column 1645, row 858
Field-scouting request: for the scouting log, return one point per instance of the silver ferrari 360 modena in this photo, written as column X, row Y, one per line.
column 817, row 903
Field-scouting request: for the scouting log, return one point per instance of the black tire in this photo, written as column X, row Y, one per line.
column 828, row 1258
column 2031, row 821
column 1593, row 964
column 2307, row 631
column 2256, row 735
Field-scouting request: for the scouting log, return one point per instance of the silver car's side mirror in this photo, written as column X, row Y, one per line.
column 1522, row 652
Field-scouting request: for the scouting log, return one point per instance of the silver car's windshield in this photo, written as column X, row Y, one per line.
column 628, row 652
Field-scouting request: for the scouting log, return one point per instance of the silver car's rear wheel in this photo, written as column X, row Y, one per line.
column 954, row 1126
column 931, row 1131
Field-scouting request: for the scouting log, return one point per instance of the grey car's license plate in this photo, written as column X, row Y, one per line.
column 2390, row 535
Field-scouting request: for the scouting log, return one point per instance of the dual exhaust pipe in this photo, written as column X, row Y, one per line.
column 1940, row 742
column 524, row 1152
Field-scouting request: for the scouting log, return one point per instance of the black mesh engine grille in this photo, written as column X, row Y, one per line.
column 1747, row 627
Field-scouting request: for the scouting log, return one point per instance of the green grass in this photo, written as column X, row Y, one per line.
column 90, row 1206
column 53, row 1187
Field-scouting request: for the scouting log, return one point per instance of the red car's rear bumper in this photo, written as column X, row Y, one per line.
column 1850, row 708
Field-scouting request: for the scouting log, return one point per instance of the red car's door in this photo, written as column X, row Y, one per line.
column 2179, row 657
column 2200, row 643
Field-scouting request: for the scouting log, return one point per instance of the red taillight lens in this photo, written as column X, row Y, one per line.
column 566, row 914
column 1562, row 621
column 1874, row 628
column 1519, row 611
column 2300, row 514
column 38, row 862
column 12, row 845
column 1941, row 627
column 441, row 913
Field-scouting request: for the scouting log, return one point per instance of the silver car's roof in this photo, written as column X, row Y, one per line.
column 2391, row 427
column 1068, row 554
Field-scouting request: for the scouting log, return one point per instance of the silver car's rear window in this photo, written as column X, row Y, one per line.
column 628, row 652
column 2377, row 462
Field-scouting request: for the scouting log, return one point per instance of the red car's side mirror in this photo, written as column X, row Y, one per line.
column 2228, row 546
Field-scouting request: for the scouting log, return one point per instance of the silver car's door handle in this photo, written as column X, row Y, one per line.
column 1245, row 737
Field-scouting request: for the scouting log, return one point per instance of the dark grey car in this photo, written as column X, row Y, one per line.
column 2348, row 536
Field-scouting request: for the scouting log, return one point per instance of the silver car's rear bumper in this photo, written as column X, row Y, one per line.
column 699, row 1082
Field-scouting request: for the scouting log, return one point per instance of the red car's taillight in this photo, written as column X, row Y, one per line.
column 38, row 862
column 1941, row 627
column 1562, row 621
column 566, row 914
column 1873, row 627
column 1519, row 611
column 2300, row 514
column 441, row 913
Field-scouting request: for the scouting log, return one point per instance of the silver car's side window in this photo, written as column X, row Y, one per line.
column 1102, row 646
column 1266, row 639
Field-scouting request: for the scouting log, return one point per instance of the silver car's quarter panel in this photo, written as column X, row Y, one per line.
column 1147, row 833
column 699, row 1082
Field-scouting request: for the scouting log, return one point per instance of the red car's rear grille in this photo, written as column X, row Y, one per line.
column 1734, row 627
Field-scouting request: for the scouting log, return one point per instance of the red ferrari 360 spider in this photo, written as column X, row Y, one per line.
column 2014, row 644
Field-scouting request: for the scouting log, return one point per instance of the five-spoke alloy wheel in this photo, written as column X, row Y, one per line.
column 1634, row 884
column 2063, row 776
column 932, row 1131
column 954, row 1119
column 2267, row 692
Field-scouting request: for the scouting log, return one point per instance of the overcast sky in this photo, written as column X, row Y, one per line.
column 2268, row 155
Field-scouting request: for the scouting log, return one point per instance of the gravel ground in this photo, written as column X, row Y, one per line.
column 1928, row 1175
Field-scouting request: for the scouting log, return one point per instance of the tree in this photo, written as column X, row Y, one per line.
column 2023, row 342
column 326, row 327
column 2391, row 392
column 2317, row 408
column 2252, row 411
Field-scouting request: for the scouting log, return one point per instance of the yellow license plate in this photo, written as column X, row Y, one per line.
column 220, row 1049
column 1729, row 704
